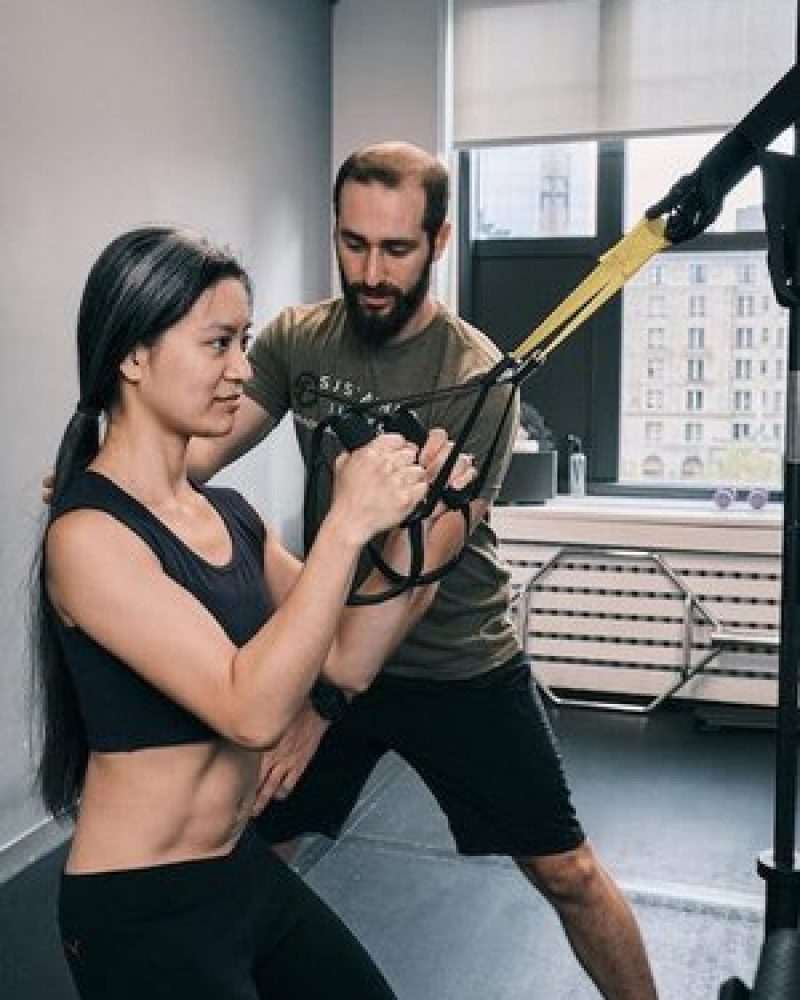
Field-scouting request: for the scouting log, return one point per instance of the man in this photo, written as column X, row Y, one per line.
column 455, row 699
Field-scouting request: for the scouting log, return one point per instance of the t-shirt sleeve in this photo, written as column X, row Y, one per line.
column 269, row 359
column 496, row 418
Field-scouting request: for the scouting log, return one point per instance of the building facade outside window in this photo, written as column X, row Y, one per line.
column 701, row 321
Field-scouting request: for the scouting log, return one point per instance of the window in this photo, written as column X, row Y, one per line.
column 694, row 399
column 745, row 305
column 654, row 399
column 740, row 432
column 684, row 347
column 697, row 305
column 691, row 468
column 653, row 431
column 532, row 192
column 697, row 273
column 746, row 272
column 695, row 370
column 693, row 433
column 653, row 467
column 697, row 338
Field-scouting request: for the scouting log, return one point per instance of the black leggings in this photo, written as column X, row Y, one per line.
column 240, row 927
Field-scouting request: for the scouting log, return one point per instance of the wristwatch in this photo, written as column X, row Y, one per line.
column 328, row 700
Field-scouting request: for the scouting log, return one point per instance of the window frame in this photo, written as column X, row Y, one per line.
column 605, row 365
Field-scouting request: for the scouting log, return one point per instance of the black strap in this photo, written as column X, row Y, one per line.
column 781, row 175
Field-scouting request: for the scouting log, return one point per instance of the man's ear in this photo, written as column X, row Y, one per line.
column 132, row 364
column 441, row 240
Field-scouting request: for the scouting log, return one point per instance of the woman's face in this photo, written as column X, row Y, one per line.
column 192, row 378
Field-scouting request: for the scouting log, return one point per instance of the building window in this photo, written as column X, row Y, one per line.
column 683, row 308
column 691, row 468
column 693, row 433
column 745, row 305
column 697, row 338
column 653, row 431
column 653, row 467
column 697, row 305
column 697, row 273
column 746, row 272
column 741, row 432
column 695, row 370
column 694, row 399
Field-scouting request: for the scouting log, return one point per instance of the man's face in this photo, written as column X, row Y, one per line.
column 385, row 259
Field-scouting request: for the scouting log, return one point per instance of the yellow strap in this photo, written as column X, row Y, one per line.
column 615, row 266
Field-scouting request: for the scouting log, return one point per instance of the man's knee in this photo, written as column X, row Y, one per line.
column 570, row 877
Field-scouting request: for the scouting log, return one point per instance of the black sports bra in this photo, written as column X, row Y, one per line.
column 120, row 710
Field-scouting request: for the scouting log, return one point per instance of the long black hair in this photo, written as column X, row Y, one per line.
column 143, row 283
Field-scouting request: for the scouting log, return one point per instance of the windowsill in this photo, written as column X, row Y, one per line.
column 659, row 524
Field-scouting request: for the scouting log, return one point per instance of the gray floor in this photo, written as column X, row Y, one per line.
column 678, row 814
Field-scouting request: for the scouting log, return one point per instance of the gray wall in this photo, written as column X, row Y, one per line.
column 212, row 113
column 392, row 80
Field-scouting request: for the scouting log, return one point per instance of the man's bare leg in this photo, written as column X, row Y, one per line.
column 597, row 919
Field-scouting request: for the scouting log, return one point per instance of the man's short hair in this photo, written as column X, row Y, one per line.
column 394, row 164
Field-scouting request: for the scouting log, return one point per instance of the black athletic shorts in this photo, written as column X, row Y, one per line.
column 483, row 746
column 239, row 927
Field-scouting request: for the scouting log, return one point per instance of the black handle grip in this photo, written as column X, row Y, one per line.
column 403, row 421
column 353, row 429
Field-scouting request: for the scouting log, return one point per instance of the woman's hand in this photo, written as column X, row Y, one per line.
column 378, row 486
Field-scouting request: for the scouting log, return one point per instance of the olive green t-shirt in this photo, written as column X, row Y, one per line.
column 467, row 630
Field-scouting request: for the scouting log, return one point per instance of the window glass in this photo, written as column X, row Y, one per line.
column 655, row 163
column 527, row 192
column 721, row 397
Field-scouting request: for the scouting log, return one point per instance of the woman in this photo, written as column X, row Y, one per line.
column 178, row 641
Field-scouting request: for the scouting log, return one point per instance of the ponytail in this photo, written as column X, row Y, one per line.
column 61, row 738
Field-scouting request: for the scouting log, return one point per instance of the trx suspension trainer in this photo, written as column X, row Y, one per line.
column 692, row 204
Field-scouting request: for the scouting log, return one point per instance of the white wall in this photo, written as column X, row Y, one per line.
column 114, row 113
column 391, row 80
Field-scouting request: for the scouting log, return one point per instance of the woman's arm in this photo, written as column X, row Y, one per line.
column 367, row 634
column 103, row 578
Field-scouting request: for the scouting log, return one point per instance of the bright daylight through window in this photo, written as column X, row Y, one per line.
column 704, row 343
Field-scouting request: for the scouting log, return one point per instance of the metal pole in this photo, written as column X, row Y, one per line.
column 779, row 869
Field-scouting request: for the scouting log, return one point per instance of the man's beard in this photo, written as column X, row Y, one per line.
column 374, row 328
